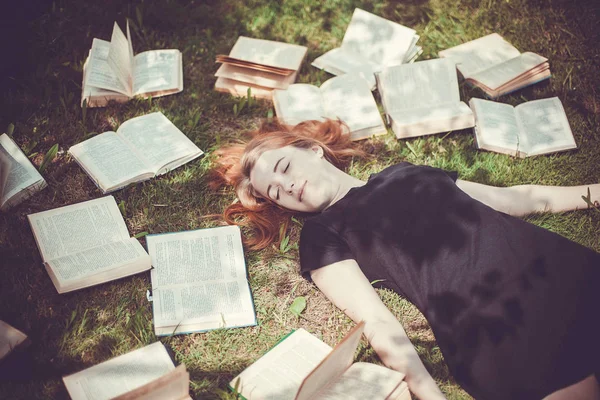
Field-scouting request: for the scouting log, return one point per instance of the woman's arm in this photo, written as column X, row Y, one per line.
column 527, row 199
column 349, row 289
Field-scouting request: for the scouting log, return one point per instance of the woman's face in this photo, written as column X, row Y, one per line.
column 294, row 178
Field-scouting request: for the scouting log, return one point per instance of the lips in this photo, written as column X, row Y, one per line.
column 302, row 191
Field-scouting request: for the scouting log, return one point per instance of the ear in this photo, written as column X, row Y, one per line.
column 318, row 150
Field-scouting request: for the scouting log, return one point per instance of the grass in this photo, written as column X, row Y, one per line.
column 40, row 97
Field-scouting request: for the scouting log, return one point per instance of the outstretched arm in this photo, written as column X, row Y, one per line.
column 527, row 199
column 356, row 297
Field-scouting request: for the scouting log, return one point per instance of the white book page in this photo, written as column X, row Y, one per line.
column 497, row 125
column 505, row 72
column 480, row 54
column 99, row 73
column 97, row 260
column 6, row 163
column 110, row 160
column 363, row 381
column 22, row 173
column 156, row 70
column 299, row 102
column 71, row 229
column 120, row 58
column 424, row 84
column 120, row 375
column 268, row 52
column 199, row 277
column 279, row 373
column 341, row 61
column 544, row 126
column 10, row 338
column 158, row 141
column 349, row 98
column 377, row 39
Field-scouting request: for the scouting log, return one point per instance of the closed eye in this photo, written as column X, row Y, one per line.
column 286, row 168
column 277, row 197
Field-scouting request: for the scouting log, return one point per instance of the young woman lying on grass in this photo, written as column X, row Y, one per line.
column 514, row 307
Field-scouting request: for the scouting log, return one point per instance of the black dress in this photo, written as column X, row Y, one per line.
column 514, row 308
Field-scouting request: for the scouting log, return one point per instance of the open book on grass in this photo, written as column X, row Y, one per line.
column 261, row 65
column 142, row 148
column 19, row 179
column 532, row 128
column 347, row 97
column 86, row 244
column 370, row 44
column 496, row 66
column 10, row 339
column 199, row 281
column 302, row 367
column 112, row 72
column 423, row 98
column 147, row 373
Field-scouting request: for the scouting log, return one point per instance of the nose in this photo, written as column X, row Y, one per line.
column 289, row 186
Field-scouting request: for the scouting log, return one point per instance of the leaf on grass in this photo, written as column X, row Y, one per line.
column 270, row 113
column 377, row 281
column 141, row 234
column 50, row 155
column 10, row 129
column 298, row 305
column 122, row 207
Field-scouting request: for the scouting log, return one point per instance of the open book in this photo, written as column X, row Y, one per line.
column 199, row 281
column 370, row 44
column 112, row 72
column 496, row 66
column 261, row 65
column 532, row 128
column 10, row 339
column 142, row 148
column 302, row 367
column 147, row 373
column 18, row 177
column 86, row 244
column 347, row 97
column 423, row 98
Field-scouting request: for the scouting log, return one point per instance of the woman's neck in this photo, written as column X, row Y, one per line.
column 345, row 183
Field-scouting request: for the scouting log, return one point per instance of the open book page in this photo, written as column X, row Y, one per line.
column 162, row 146
column 424, row 84
column 99, row 73
column 480, row 54
column 279, row 373
column 349, row 98
column 497, row 76
column 544, row 126
column 377, row 39
column 174, row 385
column 237, row 88
column 363, row 381
column 425, row 121
column 77, row 227
column 260, row 78
column 199, row 277
column 121, row 374
column 6, row 162
column 120, row 58
column 22, row 175
column 496, row 126
column 156, row 71
column 110, row 161
column 268, row 52
column 341, row 61
column 299, row 102
column 332, row 366
column 98, row 264
column 9, row 338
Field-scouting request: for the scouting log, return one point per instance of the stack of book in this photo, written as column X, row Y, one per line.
column 258, row 65
column 370, row 44
column 496, row 66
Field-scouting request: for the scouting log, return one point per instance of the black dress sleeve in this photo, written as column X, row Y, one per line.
column 320, row 246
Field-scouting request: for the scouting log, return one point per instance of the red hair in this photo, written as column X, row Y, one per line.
column 234, row 162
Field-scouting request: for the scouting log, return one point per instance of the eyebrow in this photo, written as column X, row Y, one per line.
column 274, row 170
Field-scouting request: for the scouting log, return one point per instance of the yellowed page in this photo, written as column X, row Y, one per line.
column 505, row 72
column 199, row 277
column 260, row 78
column 120, row 58
column 237, row 88
column 268, row 52
column 480, row 54
column 279, row 373
column 121, row 374
column 10, row 338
